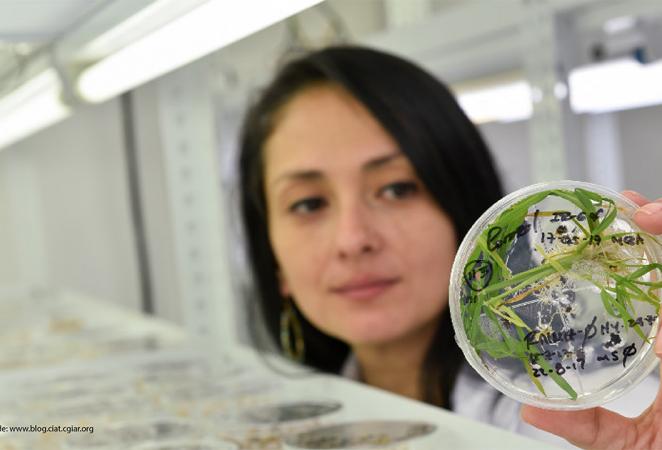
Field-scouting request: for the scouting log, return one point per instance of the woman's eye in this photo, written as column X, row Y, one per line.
column 307, row 205
column 400, row 189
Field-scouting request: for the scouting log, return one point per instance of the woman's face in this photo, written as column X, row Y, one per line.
column 361, row 246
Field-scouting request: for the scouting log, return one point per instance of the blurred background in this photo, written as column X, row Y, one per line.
column 119, row 122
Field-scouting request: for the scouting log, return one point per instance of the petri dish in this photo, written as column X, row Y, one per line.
column 263, row 426
column 554, row 295
column 376, row 434
column 291, row 411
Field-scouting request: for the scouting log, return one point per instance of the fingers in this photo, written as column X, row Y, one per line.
column 636, row 197
column 588, row 428
column 649, row 214
column 649, row 217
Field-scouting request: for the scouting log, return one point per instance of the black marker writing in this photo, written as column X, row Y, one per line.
column 628, row 351
column 478, row 274
column 497, row 237
column 590, row 331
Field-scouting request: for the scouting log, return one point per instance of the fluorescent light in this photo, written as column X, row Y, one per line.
column 34, row 105
column 619, row 24
column 146, row 20
column 199, row 32
column 615, row 85
column 506, row 102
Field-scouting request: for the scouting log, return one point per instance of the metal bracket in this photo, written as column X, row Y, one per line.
column 192, row 175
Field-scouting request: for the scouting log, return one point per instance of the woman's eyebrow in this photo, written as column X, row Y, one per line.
column 314, row 174
column 303, row 175
column 380, row 161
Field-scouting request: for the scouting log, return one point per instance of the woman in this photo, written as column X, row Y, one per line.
column 360, row 176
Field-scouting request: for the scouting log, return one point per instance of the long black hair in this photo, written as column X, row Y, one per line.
column 444, row 147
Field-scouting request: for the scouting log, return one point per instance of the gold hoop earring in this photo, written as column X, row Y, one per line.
column 291, row 341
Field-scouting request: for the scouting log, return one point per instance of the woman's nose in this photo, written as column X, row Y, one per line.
column 357, row 233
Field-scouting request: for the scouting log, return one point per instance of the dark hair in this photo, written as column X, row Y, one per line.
column 444, row 147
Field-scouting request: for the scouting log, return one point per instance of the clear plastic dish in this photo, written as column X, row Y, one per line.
column 290, row 411
column 554, row 295
column 378, row 434
column 264, row 425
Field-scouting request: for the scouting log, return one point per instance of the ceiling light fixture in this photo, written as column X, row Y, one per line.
column 202, row 30
column 615, row 85
column 507, row 102
column 34, row 105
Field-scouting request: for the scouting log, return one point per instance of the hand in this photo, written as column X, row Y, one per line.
column 598, row 428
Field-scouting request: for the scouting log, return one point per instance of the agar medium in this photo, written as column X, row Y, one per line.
column 554, row 295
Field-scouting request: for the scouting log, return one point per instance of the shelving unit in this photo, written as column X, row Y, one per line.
column 141, row 384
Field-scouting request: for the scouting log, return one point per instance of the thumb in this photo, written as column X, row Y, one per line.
column 649, row 217
column 588, row 428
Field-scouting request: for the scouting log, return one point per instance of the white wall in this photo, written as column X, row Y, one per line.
column 154, row 193
column 509, row 144
column 9, row 270
column 639, row 132
column 81, row 205
column 23, row 227
column 641, row 144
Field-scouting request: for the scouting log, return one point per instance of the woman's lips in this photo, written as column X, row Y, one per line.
column 366, row 290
